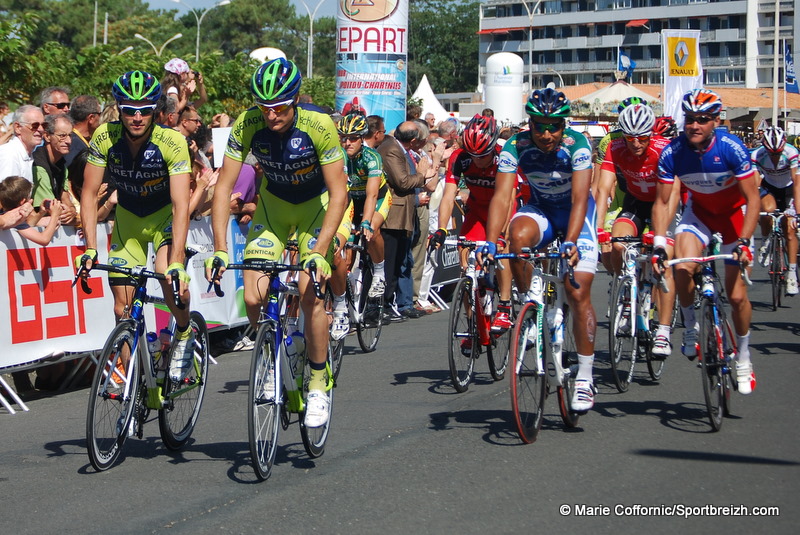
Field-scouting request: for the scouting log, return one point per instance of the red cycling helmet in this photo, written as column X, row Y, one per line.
column 480, row 135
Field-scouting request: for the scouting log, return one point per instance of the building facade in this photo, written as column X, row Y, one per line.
column 571, row 42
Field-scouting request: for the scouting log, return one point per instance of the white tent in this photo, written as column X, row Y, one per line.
column 605, row 100
column 430, row 104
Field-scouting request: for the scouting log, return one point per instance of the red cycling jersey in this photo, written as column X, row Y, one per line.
column 480, row 181
column 637, row 176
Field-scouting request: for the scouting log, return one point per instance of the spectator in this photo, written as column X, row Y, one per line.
column 5, row 129
column 49, row 169
column 16, row 156
column 15, row 192
column 84, row 110
column 487, row 112
column 106, row 196
column 449, row 129
column 188, row 125
column 110, row 113
column 403, row 176
column 167, row 112
column 54, row 100
column 376, row 133
column 430, row 120
column 180, row 82
column 305, row 99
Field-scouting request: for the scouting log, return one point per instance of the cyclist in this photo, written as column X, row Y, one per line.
column 557, row 163
column 632, row 162
column 665, row 127
column 305, row 188
column 777, row 163
column 371, row 200
column 715, row 167
column 476, row 164
column 151, row 168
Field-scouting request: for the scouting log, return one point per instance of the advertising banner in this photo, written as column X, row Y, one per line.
column 371, row 55
column 683, row 70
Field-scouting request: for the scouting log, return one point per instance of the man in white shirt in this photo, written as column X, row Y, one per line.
column 16, row 155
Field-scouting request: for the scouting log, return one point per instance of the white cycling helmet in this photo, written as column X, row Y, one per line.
column 637, row 120
column 774, row 139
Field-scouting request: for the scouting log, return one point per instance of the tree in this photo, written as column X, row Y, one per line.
column 443, row 44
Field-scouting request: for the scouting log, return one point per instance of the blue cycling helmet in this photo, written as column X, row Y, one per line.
column 277, row 79
column 136, row 86
column 701, row 101
column 548, row 103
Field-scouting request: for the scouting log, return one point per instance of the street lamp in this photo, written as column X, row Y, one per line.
column 158, row 51
column 311, row 15
column 560, row 79
column 199, row 19
column 530, row 42
column 125, row 50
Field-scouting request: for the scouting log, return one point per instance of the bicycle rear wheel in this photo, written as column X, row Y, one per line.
column 569, row 361
column 621, row 339
column 370, row 309
column 776, row 267
column 336, row 346
column 528, row 373
column 463, row 346
column 711, row 363
column 314, row 438
column 112, row 397
column 263, row 410
column 655, row 366
column 177, row 419
column 499, row 347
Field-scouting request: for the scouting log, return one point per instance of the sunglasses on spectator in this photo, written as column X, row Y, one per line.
column 61, row 137
column 198, row 121
column 351, row 139
column 34, row 126
column 699, row 119
column 130, row 111
column 59, row 105
column 547, row 127
column 277, row 107
column 643, row 139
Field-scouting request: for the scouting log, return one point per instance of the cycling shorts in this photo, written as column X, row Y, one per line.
column 382, row 206
column 729, row 226
column 130, row 237
column 783, row 196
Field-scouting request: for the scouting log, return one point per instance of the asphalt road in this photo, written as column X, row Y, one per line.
column 408, row 455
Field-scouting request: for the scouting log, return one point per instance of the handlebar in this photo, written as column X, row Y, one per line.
column 537, row 256
column 711, row 258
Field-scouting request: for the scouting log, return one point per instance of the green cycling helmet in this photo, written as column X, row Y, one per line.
column 277, row 79
column 548, row 103
column 136, row 86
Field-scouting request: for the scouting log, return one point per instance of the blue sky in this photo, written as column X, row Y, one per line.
column 327, row 9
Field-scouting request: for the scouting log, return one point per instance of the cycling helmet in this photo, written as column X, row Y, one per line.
column 277, row 79
column 637, row 120
column 665, row 126
column 136, row 86
column 774, row 139
column 353, row 124
column 480, row 135
column 701, row 101
column 630, row 101
column 548, row 103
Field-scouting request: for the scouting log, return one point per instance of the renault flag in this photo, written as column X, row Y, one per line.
column 371, row 53
column 683, row 70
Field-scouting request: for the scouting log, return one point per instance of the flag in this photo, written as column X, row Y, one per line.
column 790, row 80
column 683, row 71
column 625, row 64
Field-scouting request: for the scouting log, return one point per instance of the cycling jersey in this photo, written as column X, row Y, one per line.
column 142, row 180
column 605, row 141
column 780, row 175
column 712, row 176
column 479, row 181
column 637, row 176
column 363, row 166
column 291, row 161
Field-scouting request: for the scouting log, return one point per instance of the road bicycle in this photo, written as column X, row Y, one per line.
column 634, row 316
column 365, row 311
column 543, row 353
column 717, row 348
column 278, row 381
column 471, row 315
column 775, row 257
column 130, row 380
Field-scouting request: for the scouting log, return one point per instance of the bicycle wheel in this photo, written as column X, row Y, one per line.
column 569, row 361
column 463, row 346
column 711, row 363
column 528, row 373
column 112, row 398
column 314, row 438
column 177, row 419
column 336, row 346
column 655, row 367
column 263, row 411
column 500, row 347
column 368, row 328
column 621, row 338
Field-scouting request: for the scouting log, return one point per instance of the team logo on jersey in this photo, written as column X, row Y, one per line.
column 313, row 241
column 258, row 228
column 295, row 143
column 264, row 243
column 149, row 153
column 567, row 141
column 118, row 262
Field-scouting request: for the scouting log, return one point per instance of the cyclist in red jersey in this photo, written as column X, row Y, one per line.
column 632, row 162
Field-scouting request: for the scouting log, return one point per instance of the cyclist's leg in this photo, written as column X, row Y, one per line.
column 584, row 320
column 528, row 228
column 767, row 205
column 624, row 225
column 789, row 232
column 691, row 237
column 741, row 312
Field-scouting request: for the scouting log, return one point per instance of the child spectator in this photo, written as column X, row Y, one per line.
column 16, row 191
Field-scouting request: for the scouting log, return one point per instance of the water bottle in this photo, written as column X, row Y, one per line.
column 708, row 285
column 165, row 342
column 154, row 347
column 486, row 301
column 645, row 308
column 295, row 348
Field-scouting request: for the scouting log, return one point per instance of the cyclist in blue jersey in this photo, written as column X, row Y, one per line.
column 151, row 168
column 557, row 163
column 304, row 191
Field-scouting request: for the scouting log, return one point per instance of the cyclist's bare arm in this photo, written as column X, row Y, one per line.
column 446, row 205
column 336, row 182
column 179, row 192
column 504, row 186
column 92, row 179
column 221, row 203
column 749, row 189
column 604, row 187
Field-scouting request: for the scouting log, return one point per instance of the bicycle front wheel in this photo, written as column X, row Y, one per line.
column 177, row 419
column 500, row 347
column 711, row 363
column 263, row 414
column 655, row 366
column 336, row 346
column 569, row 361
column 463, row 346
column 314, row 438
column 528, row 374
column 112, row 397
column 368, row 328
column 621, row 335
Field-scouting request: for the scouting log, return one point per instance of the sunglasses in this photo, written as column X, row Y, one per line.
column 351, row 139
column 34, row 126
column 643, row 139
column 61, row 137
column 547, row 127
column 198, row 121
column 277, row 108
column 699, row 119
column 59, row 105
column 130, row 111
